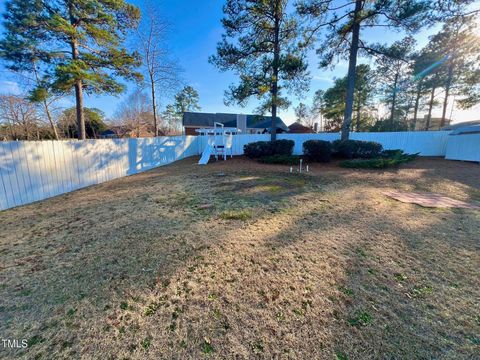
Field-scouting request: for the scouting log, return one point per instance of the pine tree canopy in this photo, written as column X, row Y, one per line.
column 253, row 30
column 71, row 40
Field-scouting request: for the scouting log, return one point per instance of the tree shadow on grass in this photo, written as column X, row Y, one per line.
column 86, row 255
column 401, row 271
column 138, row 263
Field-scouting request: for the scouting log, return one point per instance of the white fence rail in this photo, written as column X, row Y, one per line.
column 31, row 171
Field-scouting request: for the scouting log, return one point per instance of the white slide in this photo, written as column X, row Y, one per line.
column 205, row 155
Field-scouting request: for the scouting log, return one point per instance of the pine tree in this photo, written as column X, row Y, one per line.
column 77, row 45
column 460, row 47
column 394, row 68
column 260, row 45
column 334, row 100
column 343, row 22
column 186, row 100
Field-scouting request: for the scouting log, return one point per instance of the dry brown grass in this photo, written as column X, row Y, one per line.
column 181, row 262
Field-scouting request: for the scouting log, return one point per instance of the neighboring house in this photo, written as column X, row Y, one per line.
column 298, row 128
column 248, row 124
column 421, row 123
column 108, row 134
column 125, row 131
column 475, row 124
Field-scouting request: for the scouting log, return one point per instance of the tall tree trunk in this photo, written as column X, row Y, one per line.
column 447, row 93
column 276, row 60
column 154, row 105
column 45, row 105
column 358, row 118
column 12, row 131
column 359, row 109
column 417, row 103
column 430, row 106
column 352, row 63
column 79, row 108
column 25, row 129
column 394, row 99
column 50, row 120
column 78, row 82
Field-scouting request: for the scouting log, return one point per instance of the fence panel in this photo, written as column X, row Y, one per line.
column 427, row 143
column 36, row 170
column 464, row 147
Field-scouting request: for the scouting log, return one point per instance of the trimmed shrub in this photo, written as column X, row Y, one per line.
column 378, row 163
column 318, row 150
column 257, row 149
column 280, row 159
column 352, row 149
column 391, row 153
column 260, row 149
column 282, row 147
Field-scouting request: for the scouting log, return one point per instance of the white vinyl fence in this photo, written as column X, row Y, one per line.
column 426, row 143
column 36, row 170
column 463, row 147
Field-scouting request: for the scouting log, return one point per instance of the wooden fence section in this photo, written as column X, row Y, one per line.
column 36, row 170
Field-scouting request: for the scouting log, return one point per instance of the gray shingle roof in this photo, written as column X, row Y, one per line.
column 461, row 124
column 229, row 120
column 472, row 129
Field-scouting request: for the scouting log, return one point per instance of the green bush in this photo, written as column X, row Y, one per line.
column 352, row 149
column 257, row 149
column 282, row 147
column 378, row 163
column 260, row 149
column 280, row 159
column 318, row 150
column 391, row 153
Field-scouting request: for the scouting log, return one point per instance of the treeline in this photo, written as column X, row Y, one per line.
column 66, row 48
column 62, row 49
column 22, row 119
column 266, row 43
column 406, row 82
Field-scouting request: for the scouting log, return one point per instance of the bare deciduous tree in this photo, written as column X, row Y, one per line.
column 134, row 115
column 160, row 68
column 20, row 117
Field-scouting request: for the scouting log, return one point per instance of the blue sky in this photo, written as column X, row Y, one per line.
column 195, row 31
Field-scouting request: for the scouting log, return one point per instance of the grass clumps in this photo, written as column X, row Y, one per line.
column 145, row 343
column 341, row 356
column 207, row 347
column 36, row 339
column 362, row 318
column 151, row 309
column 236, row 215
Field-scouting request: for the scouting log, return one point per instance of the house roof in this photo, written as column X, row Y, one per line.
column 298, row 128
column 108, row 132
column 461, row 125
column 229, row 120
column 472, row 129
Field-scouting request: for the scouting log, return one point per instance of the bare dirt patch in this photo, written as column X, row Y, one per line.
column 244, row 260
